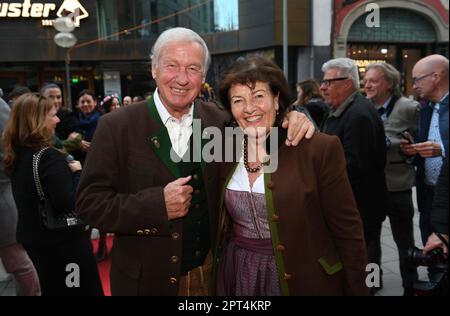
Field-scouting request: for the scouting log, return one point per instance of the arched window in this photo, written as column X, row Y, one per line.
column 396, row 26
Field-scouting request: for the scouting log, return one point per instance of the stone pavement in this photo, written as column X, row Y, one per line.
column 392, row 280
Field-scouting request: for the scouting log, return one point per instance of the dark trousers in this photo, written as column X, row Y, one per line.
column 425, row 212
column 401, row 212
column 425, row 221
column 372, row 234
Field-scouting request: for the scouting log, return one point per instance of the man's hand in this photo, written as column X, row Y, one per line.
column 75, row 166
column 428, row 149
column 434, row 242
column 298, row 126
column 407, row 148
column 73, row 136
column 85, row 145
column 178, row 196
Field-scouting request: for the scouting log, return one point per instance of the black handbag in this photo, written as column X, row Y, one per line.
column 51, row 218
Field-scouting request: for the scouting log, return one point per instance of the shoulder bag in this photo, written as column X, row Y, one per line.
column 51, row 218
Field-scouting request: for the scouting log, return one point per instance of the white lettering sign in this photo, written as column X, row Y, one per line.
column 70, row 8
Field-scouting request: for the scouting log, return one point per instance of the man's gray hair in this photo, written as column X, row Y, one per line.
column 179, row 34
column 346, row 67
column 391, row 76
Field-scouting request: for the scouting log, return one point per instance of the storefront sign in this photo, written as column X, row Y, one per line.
column 71, row 8
column 111, row 80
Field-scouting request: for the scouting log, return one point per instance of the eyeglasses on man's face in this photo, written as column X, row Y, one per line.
column 328, row 82
column 419, row 79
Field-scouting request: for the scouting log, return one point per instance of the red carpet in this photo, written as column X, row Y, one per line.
column 104, row 266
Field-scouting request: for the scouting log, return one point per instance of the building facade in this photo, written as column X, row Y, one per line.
column 115, row 37
column 399, row 32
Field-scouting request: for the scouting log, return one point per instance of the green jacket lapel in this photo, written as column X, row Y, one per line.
column 160, row 141
column 203, row 121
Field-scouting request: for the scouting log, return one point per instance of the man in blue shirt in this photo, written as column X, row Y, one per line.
column 430, row 77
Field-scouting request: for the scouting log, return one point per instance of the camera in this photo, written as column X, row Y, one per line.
column 434, row 258
column 436, row 262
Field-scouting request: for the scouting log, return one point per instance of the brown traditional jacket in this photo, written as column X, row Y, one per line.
column 316, row 229
column 121, row 191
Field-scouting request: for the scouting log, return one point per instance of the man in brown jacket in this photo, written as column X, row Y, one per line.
column 162, row 212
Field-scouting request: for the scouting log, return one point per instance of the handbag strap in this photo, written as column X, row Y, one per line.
column 36, row 159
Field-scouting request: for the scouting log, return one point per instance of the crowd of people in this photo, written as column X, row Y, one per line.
column 346, row 161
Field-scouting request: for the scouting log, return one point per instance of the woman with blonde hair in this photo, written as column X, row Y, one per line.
column 29, row 130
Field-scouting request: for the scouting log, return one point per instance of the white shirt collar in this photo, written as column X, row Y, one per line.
column 164, row 114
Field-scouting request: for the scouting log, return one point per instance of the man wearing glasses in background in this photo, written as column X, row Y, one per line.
column 430, row 81
column 358, row 125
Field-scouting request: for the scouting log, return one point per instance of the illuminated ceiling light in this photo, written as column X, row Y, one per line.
column 384, row 51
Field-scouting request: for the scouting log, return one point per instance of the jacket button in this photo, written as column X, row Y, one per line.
column 174, row 259
column 140, row 232
column 154, row 231
column 287, row 276
column 270, row 185
column 281, row 248
column 173, row 280
column 175, row 236
column 275, row 218
column 156, row 142
column 195, row 177
column 197, row 192
column 266, row 160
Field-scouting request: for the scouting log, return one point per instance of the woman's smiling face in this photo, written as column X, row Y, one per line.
column 255, row 110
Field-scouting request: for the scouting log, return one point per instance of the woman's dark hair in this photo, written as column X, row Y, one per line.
column 255, row 69
column 107, row 102
column 311, row 90
column 87, row 92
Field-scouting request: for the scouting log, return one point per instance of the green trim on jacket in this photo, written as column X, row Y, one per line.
column 274, row 235
column 160, row 142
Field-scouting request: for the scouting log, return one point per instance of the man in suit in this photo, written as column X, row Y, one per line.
column 163, row 212
column 356, row 122
column 399, row 114
column 430, row 77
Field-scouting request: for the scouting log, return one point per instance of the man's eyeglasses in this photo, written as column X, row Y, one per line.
column 418, row 79
column 328, row 82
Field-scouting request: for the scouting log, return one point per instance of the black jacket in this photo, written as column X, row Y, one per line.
column 58, row 184
column 69, row 124
column 318, row 110
column 360, row 129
